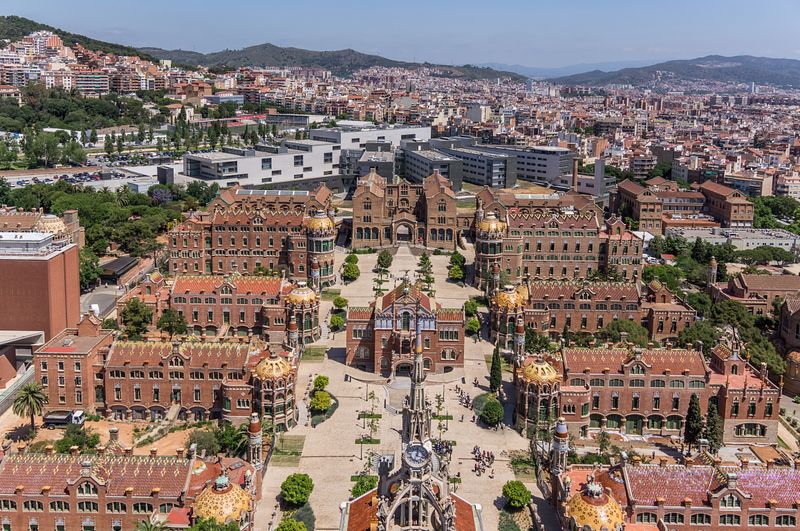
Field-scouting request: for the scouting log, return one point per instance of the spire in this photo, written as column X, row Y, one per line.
column 416, row 413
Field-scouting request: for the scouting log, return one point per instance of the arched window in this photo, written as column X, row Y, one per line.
column 700, row 519
column 758, row 520
column 406, row 321
column 87, row 489
column 730, row 519
column 646, row 518
column 785, row 520
column 730, row 501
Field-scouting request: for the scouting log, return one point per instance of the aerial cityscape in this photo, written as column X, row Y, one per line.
column 455, row 267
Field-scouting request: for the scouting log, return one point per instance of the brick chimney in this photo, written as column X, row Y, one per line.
column 113, row 434
column 745, row 462
column 179, row 452
column 662, row 462
column 153, row 452
column 21, row 448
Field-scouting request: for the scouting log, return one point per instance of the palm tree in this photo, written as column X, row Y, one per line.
column 147, row 525
column 30, row 401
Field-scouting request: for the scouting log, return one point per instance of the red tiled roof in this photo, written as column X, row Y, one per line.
column 266, row 286
column 659, row 360
column 673, row 483
column 413, row 291
column 151, row 353
column 556, row 289
column 142, row 473
column 779, row 484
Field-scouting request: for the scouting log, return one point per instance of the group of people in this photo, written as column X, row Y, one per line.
column 483, row 460
column 443, row 447
column 464, row 398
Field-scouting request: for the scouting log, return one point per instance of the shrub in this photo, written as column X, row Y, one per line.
column 296, row 489
column 471, row 307
column 351, row 259
column 339, row 302
column 321, row 401
column 205, row 440
column 305, row 516
column 321, row 382
column 337, row 322
column 457, row 259
column 492, row 413
column 473, row 326
column 385, row 259
column 350, row 272
column 290, row 524
column 516, row 494
column 456, row 273
column 363, row 485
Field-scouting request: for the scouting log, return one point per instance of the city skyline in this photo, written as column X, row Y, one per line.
column 573, row 34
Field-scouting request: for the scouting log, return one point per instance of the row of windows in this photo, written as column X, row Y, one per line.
column 36, row 506
column 637, row 382
column 760, row 520
column 224, row 300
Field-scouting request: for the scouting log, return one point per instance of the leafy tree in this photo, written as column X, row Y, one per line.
column 363, row 485
column 694, row 421
column 305, row 515
column 321, row 382
column 350, row 272
column 703, row 331
column 84, row 438
column 204, row 524
column 714, row 428
column 172, row 323
column 495, row 371
column 336, row 322
column 339, row 302
column 636, row 333
column 492, row 413
column 385, row 259
column 136, row 318
column 458, row 259
column 424, row 263
column 603, row 442
column 700, row 301
column 147, row 525
column 473, row 326
column 668, row 275
column 732, row 313
column 232, row 440
column 296, row 489
column 471, row 307
column 290, row 524
column 535, row 342
column 456, row 273
column 89, row 269
column 109, row 324
column 205, row 440
column 351, row 258
column 516, row 494
column 29, row 402
column 321, row 401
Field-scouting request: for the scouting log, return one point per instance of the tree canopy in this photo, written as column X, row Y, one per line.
column 296, row 489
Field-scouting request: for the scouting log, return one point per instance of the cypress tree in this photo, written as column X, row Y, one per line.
column 694, row 421
column 495, row 371
column 714, row 427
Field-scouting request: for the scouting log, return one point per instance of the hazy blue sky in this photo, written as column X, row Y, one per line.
column 527, row 32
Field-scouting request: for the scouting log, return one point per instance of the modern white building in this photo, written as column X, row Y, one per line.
column 293, row 160
column 741, row 238
column 357, row 137
column 540, row 164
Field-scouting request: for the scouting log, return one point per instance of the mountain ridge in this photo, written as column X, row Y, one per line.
column 727, row 69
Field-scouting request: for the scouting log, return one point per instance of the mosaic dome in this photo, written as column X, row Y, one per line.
column 302, row 294
column 319, row 221
column 541, row 372
column 50, row 223
column 272, row 368
column 491, row 224
column 223, row 502
column 507, row 298
column 596, row 509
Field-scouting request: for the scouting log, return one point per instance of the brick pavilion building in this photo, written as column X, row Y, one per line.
column 380, row 337
column 552, row 306
column 244, row 231
column 192, row 379
column 645, row 391
column 553, row 236
column 232, row 305
column 385, row 214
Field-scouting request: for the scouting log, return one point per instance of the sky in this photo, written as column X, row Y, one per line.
column 535, row 33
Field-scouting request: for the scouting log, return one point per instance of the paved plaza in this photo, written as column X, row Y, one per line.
column 330, row 453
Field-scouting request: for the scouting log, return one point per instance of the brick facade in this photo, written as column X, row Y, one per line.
column 386, row 214
column 380, row 337
column 246, row 230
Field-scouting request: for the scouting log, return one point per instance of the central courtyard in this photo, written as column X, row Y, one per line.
column 330, row 452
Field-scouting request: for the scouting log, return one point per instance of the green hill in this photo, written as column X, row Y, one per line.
column 738, row 69
column 340, row 62
column 14, row 28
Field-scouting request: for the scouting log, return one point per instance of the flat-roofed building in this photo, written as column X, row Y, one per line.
column 39, row 282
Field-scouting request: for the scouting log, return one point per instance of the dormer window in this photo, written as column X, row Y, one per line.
column 86, row 489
